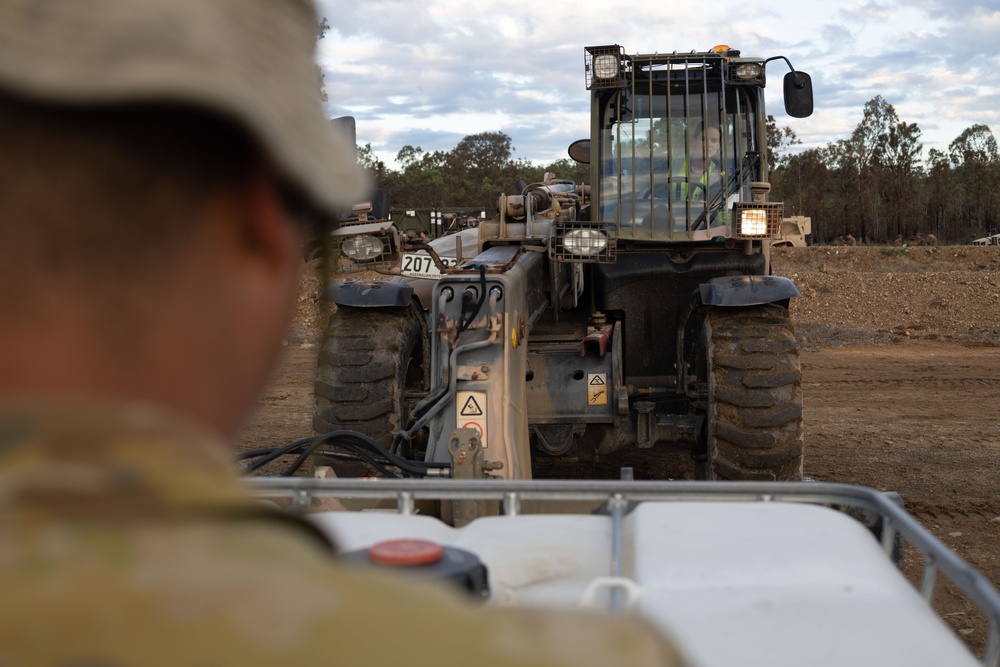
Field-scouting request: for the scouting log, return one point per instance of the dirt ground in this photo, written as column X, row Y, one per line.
column 899, row 365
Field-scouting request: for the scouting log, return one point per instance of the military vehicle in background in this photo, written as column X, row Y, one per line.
column 794, row 232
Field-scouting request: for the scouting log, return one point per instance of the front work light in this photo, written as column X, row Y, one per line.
column 603, row 66
column 362, row 247
column 366, row 246
column 606, row 67
column 749, row 71
column 580, row 241
column 585, row 242
column 753, row 222
column 757, row 220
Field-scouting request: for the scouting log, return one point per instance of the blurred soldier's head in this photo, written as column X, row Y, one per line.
column 160, row 161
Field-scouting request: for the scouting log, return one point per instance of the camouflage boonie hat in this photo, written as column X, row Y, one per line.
column 249, row 60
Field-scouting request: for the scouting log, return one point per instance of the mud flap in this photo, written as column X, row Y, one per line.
column 747, row 290
column 367, row 294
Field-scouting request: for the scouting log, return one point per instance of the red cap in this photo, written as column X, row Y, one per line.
column 405, row 552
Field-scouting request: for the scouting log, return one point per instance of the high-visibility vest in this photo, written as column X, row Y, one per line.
column 709, row 177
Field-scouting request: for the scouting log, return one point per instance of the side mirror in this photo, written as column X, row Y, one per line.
column 798, row 95
column 347, row 127
column 579, row 150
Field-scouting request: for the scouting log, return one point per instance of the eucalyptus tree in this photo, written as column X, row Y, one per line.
column 885, row 154
column 976, row 164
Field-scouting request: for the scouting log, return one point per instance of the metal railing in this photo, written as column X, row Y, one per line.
column 511, row 495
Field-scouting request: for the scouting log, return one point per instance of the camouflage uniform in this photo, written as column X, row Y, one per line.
column 126, row 538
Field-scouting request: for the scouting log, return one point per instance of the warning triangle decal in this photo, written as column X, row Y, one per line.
column 597, row 380
column 471, row 408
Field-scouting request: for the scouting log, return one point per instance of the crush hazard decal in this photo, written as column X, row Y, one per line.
column 597, row 389
column 470, row 407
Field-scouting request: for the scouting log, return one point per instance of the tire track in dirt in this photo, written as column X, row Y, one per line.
column 922, row 382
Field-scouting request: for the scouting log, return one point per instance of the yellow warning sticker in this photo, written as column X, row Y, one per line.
column 471, row 412
column 597, row 389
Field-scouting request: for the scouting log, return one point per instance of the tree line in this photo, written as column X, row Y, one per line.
column 875, row 186
column 473, row 174
column 878, row 187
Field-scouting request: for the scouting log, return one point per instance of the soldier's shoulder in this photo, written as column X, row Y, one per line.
column 252, row 592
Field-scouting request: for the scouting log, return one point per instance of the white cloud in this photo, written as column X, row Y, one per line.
column 867, row 10
column 430, row 73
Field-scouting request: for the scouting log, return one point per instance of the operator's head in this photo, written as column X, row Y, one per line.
column 158, row 159
column 710, row 136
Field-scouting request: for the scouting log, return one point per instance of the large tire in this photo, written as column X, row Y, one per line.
column 754, row 426
column 368, row 360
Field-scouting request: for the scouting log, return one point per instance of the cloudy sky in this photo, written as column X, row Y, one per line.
column 431, row 72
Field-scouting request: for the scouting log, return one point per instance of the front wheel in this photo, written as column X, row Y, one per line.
column 754, row 426
column 368, row 361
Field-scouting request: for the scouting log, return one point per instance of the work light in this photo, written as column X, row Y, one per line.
column 362, row 247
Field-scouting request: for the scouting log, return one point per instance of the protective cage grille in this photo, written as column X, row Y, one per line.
column 381, row 251
column 559, row 251
column 757, row 220
column 594, row 80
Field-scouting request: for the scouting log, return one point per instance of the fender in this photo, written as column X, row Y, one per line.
column 368, row 294
column 747, row 290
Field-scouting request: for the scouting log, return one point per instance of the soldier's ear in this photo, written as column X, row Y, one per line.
column 268, row 229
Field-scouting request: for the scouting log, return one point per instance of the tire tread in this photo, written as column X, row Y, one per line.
column 755, row 381
column 361, row 372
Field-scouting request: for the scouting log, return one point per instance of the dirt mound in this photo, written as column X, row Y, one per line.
column 879, row 295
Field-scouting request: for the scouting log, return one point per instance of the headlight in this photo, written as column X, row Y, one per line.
column 585, row 242
column 749, row 71
column 753, row 222
column 757, row 220
column 362, row 247
column 746, row 73
column 606, row 66
column 603, row 66
column 577, row 241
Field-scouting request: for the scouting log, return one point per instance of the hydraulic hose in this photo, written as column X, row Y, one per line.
column 358, row 444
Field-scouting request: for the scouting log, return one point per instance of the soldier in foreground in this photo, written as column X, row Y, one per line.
column 160, row 161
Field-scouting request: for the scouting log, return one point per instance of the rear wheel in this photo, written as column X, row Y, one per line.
column 369, row 359
column 754, row 426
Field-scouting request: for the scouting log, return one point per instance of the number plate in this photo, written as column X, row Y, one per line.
column 422, row 266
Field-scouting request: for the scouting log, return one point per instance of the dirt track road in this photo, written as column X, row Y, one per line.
column 916, row 419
